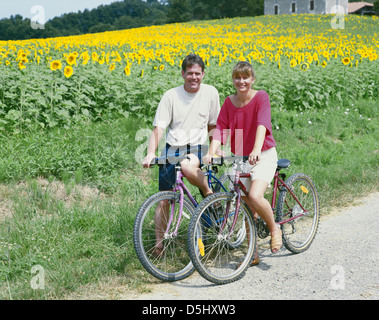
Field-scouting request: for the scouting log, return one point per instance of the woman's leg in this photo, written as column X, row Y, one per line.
column 264, row 210
column 256, row 256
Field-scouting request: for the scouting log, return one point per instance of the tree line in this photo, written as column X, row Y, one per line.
column 128, row 14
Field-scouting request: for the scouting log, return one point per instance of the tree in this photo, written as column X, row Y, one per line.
column 179, row 11
column 376, row 7
column 130, row 14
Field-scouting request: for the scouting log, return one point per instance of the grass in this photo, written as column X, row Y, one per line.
column 68, row 198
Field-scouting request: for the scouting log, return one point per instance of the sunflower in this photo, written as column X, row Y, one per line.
column 304, row 66
column 127, row 71
column 161, row 67
column 21, row 65
column 324, row 64
column 86, row 57
column 71, row 59
column 346, row 61
column 112, row 67
column 293, row 63
column 55, row 65
column 95, row 56
column 68, row 71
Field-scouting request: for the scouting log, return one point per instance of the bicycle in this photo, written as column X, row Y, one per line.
column 169, row 230
column 296, row 211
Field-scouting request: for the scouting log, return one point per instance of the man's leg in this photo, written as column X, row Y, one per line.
column 162, row 211
column 191, row 170
column 162, row 214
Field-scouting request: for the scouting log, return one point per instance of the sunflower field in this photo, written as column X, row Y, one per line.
column 300, row 60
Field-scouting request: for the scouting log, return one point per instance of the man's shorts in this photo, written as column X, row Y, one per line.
column 167, row 174
column 264, row 170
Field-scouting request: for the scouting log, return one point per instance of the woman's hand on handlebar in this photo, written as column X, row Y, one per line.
column 207, row 159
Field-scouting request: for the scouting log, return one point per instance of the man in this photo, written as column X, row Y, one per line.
column 188, row 112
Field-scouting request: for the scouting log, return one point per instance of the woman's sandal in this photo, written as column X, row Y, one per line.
column 276, row 242
column 252, row 263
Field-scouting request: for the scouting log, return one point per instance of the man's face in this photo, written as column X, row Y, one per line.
column 192, row 78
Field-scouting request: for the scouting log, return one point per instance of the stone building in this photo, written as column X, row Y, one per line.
column 272, row 7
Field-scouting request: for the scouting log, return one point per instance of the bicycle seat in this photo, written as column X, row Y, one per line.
column 283, row 164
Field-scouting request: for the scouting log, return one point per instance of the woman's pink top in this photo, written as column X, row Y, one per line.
column 241, row 124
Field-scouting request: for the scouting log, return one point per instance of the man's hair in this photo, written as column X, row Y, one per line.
column 243, row 68
column 191, row 60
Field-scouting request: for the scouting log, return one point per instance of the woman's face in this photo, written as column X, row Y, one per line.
column 243, row 83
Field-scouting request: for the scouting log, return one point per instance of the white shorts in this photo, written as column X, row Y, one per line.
column 264, row 170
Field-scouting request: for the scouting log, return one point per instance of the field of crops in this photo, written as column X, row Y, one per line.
column 300, row 60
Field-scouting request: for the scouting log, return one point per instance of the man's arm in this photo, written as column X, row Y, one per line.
column 211, row 128
column 155, row 137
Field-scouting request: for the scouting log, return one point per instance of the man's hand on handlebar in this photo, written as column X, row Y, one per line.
column 148, row 160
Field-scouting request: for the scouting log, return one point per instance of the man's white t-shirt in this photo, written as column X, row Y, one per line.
column 187, row 115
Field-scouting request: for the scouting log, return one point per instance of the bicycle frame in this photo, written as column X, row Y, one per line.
column 183, row 190
column 278, row 183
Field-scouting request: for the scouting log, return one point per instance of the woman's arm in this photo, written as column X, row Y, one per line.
column 260, row 135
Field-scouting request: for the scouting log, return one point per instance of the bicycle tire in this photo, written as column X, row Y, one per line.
column 298, row 234
column 174, row 264
column 217, row 258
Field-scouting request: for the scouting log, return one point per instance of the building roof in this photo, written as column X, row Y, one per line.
column 355, row 6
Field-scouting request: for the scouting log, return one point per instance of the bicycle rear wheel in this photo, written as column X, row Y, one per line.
column 171, row 262
column 299, row 233
column 219, row 253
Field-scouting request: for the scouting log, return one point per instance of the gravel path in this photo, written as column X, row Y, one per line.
column 340, row 264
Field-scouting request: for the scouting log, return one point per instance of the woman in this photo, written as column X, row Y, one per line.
column 246, row 117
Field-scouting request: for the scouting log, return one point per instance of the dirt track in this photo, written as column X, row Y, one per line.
column 340, row 264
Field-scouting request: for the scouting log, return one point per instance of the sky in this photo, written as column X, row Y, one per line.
column 47, row 8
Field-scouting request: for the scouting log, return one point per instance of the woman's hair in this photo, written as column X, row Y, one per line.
column 243, row 68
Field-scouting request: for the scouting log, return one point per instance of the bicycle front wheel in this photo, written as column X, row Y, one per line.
column 220, row 252
column 301, row 211
column 160, row 248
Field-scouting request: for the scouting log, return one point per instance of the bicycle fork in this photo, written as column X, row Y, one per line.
column 236, row 200
column 181, row 188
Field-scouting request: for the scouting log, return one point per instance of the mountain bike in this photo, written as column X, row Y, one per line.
column 212, row 251
column 161, row 225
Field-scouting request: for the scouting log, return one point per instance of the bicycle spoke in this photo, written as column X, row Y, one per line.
column 160, row 251
column 226, row 251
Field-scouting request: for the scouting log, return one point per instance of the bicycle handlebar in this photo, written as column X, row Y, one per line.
column 160, row 161
column 219, row 161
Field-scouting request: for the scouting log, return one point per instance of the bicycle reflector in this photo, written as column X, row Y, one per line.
column 201, row 247
column 304, row 189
